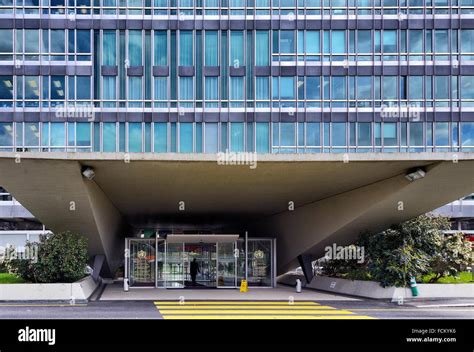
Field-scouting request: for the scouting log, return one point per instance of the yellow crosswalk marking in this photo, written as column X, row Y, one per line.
column 252, row 310
column 262, row 307
column 206, row 303
column 265, row 317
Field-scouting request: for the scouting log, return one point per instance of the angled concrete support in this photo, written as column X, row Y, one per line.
column 62, row 199
column 305, row 261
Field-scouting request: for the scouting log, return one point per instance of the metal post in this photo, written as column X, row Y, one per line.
column 246, row 254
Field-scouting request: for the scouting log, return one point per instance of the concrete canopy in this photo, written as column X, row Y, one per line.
column 333, row 200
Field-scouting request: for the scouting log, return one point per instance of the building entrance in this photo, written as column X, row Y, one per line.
column 221, row 261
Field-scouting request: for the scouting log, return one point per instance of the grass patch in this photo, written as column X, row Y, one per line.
column 6, row 278
column 465, row 277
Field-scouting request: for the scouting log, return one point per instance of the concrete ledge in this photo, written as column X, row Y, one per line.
column 78, row 291
column 372, row 289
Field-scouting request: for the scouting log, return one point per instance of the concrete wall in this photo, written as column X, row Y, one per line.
column 372, row 289
column 77, row 291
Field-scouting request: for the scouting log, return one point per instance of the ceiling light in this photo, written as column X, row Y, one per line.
column 418, row 174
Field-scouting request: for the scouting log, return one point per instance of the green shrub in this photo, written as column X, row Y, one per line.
column 62, row 257
column 411, row 249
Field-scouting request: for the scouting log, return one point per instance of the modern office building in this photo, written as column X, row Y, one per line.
column 123, row 119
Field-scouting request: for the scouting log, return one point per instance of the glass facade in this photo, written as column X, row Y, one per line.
column 162, row 263
column 277, row 77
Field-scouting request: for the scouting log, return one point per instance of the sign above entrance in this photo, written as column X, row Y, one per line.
column 197, row 238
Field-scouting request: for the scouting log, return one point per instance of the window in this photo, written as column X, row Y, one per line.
column 262, row 137
column 83, row 87
column 389, row 88
column 186, row 48
column 212, row 91
column 161, row 92
column 338, row 134
column 236, row 58
column 57, row 41
column 262, row 93
column 109, row 136
column 467, row 134
column 83, row 134
column 211, row 137
column 287, row 42
column 212, row 48
column 135, row 47
column 160, row 137
column 389, row 41
column 185, row 137
column 364, row 41
column 312, row 43
column 416, row 134
column 415, row 37
column 57, row 87
column 441, row 133
column 83, row 41
column 6, row 134
column 161, row 48
column 109, row 51
column 58, row 134
column 135, row 137
column 467, row 41
column 415, row 87
column 338, row 87
column 31, row 40
column 237, row 90
column 135, row 91
column 338, row 42
column 287, row 88
column 262, row 48
column 237, row 137
column 389, row 134
column 364, row 87
column 313, row 88
column 364, row 134
column 441, row 41
column 31, row 134
column 108, row 90
column 186, row 91
column 467, row 87
column 6, row 43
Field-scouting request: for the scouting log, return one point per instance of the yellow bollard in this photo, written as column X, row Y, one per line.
column 244, row 286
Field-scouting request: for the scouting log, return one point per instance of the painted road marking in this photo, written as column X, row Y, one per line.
column 283, row 303
column 44, row 305
column 267, row 317
column 251, row 310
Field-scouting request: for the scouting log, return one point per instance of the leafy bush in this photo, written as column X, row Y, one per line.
column 62, row 257
column 410, row 249
column 453, row 256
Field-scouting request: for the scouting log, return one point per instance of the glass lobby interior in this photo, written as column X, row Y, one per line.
column 223, row 261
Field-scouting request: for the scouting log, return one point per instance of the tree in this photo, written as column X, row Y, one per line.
column 62, row 257
column 453, row 256
column 410, row 249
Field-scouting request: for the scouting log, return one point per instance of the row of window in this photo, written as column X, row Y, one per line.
column 265, row 92
column 257, row 137
column 241, row 7
column 216, row 48
column 45, row 44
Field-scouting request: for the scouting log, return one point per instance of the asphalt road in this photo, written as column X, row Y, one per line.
column 148, row 310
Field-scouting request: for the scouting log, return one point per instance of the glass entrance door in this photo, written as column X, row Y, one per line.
column 204, row 257
column 141, row 262
column 226, row 264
